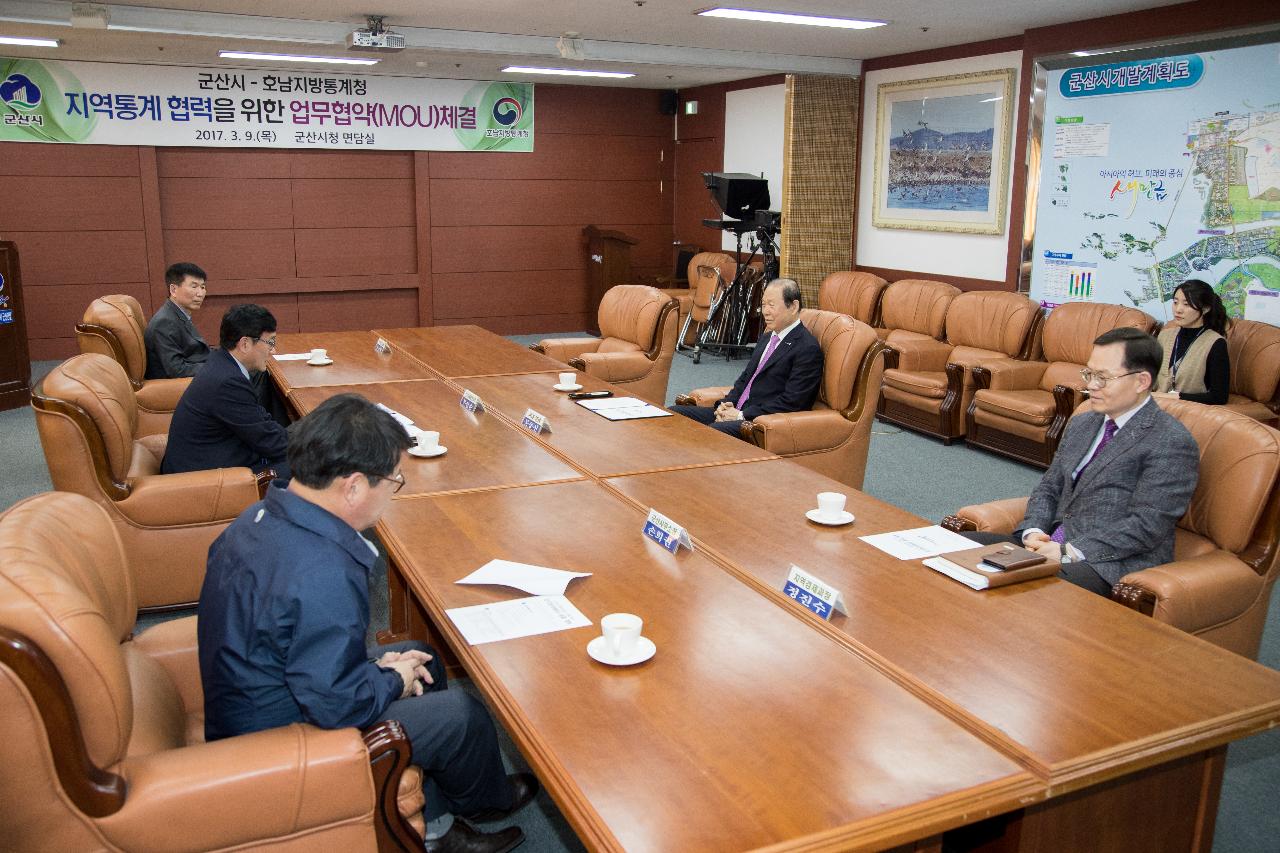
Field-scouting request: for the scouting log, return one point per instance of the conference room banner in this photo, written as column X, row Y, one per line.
column 104, row 103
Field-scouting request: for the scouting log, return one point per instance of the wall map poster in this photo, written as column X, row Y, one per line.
column 1158, row 170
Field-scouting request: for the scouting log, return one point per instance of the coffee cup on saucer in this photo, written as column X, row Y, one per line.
column 428, row 443
column 319, row 356
column 620, row 642
column 830, row 509
column 568, row 382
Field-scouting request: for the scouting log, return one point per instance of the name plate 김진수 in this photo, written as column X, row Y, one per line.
column 666, row 532
column 812, row 593
column 471, row 402
column 534, row 422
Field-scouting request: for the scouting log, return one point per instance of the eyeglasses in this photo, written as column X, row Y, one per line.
column 398, row 479
column 271, row 344
column 1090, row 377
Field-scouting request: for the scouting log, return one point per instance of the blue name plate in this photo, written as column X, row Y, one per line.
column 471, row 402
column 666, row 532
column 534, row 422
column 812, row 593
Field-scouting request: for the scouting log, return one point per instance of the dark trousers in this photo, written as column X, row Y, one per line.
column 454, row 743
column 1080, row 574
column 707, row 415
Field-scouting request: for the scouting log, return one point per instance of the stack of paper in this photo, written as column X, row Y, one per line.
column 292, row 356
column 401, row 419
column 546, row 611
column 623, row 408
column 919, row 542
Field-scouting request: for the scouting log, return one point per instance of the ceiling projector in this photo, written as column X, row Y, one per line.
column 375, row 38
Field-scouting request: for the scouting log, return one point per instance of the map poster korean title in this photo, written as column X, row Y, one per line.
column 113, row 104
column 1158, row 170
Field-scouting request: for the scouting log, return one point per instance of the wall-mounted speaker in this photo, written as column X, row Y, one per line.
column 668, row 102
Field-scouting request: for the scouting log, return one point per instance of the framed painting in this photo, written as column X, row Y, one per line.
column 942, row 153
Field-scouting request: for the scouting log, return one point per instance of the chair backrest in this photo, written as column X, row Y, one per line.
column 630, row 315
column 93, row 391
column 1069, row 333
column 854, row 293
column 113, row 326
column 702, row 278
column 844, row 343
column 917, row 305
column 1239, row 468
column 994, row 320
column 1254, row 349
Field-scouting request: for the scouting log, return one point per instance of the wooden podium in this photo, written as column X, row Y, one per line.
column 608, row 263
column 15, row 360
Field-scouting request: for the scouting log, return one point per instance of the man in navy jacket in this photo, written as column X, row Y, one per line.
column 219, row 422
column 784, row 372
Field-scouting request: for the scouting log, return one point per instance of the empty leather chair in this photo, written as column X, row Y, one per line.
column 1225, row 547
column 1020, row 408
column 854, row 293
column 1255, row 370
column 87, row 419
column 114, row 326
column 913, row 309
column 104, row 731
column 636, row 344
column 834, row 436
column 928, row 384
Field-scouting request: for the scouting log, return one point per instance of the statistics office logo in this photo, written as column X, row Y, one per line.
column 19, row 92
column 507, row 111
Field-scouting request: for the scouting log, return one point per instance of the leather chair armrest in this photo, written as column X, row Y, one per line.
column 616, row 366
column 161, row 395
column 173, row 645
column 789, row 433
column 563, row 349
column 194, row 497
column 923, row 355
column 1010, row 374
column 235, row 791
column 703, row 396
column 995, row 517
column 1193, row 594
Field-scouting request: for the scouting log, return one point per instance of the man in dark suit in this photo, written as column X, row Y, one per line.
column 174, row 346
column 784, row 372
column 1123, row 475
column 219, row 422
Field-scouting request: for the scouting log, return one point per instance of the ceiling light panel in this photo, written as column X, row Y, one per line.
column 789, row 18
column 289, row 57
column 21, row 41
column 566, row 72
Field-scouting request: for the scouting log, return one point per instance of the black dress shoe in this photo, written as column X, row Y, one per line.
column 461, row 838
column 524, row 787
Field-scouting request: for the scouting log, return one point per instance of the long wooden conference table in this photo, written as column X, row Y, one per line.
column 1034, row 717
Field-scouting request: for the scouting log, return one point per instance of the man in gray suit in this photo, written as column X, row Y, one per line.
column 1123, row 475
column 174, row 347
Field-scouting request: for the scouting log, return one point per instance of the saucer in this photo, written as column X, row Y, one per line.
column 320, row 363
column 440, row 450
column 830, row 521
column 599, row 650
column 574, row 387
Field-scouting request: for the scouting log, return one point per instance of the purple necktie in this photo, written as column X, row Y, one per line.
column 1108, row 432
column 768, row 351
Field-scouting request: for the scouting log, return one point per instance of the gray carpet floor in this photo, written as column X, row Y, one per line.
column 905, row 469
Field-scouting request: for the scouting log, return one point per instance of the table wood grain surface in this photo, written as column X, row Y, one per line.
column 354, row 361
column 459, row 351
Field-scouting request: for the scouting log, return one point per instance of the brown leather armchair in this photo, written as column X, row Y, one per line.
column 834, row 436
column 114, row 326
column 854, row 293
column 636, row 344
column 1020, row 408
column 914, row 309
column 1255, row 370
column 928, row 383
column 104, row 731
column 87, row 419
column 1225, row 548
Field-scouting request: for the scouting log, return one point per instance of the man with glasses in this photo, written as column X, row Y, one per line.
column 285, row 608
column 1123, row 475
column 220, row 422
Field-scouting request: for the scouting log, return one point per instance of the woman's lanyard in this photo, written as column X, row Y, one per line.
column 1175, row 358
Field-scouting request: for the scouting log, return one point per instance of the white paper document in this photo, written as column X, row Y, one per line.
column 623, row 408
column 523, row 617
column 535, row 580
column 919, row 542
column 400, row 419
column 292, row 356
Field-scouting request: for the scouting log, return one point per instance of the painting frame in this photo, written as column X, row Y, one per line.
column 928, row 201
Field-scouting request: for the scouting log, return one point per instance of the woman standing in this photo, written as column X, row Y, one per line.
column 1196, row 366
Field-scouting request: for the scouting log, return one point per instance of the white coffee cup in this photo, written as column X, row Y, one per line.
column 318, row 354
column 830, row 504
column 621, row 634
column 428, row 440
column 567, row 379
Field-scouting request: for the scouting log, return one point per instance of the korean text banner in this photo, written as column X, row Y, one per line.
column 114, row 104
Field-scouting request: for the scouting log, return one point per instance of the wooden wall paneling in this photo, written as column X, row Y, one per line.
column 237, row 163
column 488, row 248
column 39, row 203
column 354, row 310
column 153, row 229
column 355, row 251
column 283, row 306
column 228, row 254
column 34, row 159
column 473, row 202
column 352, row 202
column 559, row 156
column 247, row 287
column 53, row 310
column 81, row 257
column 231, row 203
column 692, row 203
column 581, row 110
column 423, row 237
column 506, row 294
column 351, row 164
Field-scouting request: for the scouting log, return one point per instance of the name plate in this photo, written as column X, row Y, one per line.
column 666, row 532
column 381, row 346
column 812, row 593
column 471, row 402
column 534, row 422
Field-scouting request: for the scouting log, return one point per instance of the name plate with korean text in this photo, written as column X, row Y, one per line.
column 381, row 346
column 534, row 422
column 471, row 402
column 666, row 532
column 810, row 592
